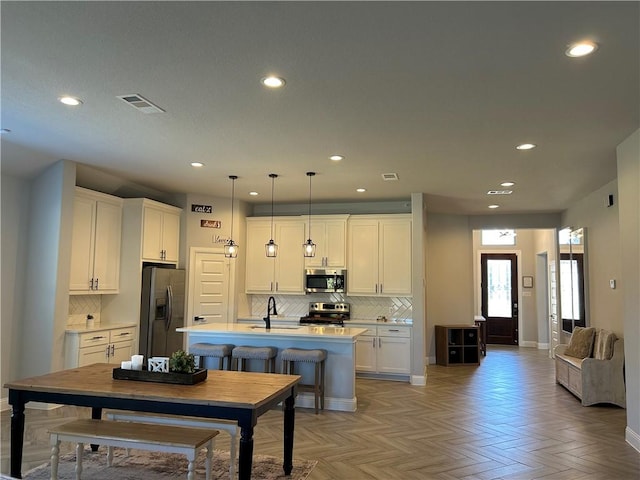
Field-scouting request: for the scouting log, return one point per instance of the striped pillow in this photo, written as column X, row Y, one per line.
column 603, row 344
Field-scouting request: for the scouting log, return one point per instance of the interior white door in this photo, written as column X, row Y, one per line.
column 209, row 287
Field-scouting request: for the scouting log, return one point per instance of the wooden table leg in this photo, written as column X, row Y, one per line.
column 246, row 453
column 289, row 423
column 17, row 434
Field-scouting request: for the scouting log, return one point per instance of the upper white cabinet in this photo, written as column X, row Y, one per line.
column 329, row 233
column 95, row 244
column 283, row 274
column 160, row 232
column 379, row 261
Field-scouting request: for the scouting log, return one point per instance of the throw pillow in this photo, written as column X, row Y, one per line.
column 581, row 342
column 603, row 345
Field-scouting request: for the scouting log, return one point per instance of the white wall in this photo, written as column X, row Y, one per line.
column 603, row 255
column 46, row 297
column 15, row 215
column 628, row 153
column 449, row 259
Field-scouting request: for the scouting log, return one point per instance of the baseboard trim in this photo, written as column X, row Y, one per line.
column 543, row 346
column 529, row 344
column 419, row 380
column 632, row 438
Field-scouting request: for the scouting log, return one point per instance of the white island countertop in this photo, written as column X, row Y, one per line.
column 296, row 331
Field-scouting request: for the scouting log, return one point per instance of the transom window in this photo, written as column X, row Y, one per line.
column 499, row 237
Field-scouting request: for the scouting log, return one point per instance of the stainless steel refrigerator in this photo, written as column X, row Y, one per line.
column 162, row 311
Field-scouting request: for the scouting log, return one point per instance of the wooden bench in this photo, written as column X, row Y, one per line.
column 144, row 436
column 229, row 426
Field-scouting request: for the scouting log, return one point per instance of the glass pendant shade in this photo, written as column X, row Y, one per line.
column 309, row 248
column 231, row 248
column 271, row 248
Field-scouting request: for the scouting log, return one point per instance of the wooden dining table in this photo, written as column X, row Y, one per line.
column 239, row 396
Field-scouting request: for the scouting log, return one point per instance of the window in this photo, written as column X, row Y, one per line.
column 499, row 237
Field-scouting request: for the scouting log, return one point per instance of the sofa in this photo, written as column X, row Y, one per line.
column 591, row 366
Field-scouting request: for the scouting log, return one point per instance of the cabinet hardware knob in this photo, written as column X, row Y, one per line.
column 97, row 283
column 97, row 338
column 91, row 284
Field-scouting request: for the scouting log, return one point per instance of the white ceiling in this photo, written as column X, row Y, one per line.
column 437, row 92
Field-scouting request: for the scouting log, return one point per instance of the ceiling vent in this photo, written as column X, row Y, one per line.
column 140, row 103
column 499, row 192
column 389, row 176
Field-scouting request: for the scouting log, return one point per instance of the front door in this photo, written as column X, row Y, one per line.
column 500, row 297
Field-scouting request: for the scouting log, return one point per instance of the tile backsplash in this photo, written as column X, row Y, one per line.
column 82, row 305
column 361, row 307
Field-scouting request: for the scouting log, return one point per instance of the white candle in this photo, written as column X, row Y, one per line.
column 126, row 365
column 136, row 362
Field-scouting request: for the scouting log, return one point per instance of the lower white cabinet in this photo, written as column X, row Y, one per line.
column 384, row 349
column 108, row 345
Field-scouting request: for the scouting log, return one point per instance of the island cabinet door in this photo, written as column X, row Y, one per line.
column 366, row 352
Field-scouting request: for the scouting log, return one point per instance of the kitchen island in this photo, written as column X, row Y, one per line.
column 339, row 342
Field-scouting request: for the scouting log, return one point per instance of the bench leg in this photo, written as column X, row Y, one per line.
column 233, row 454
column 207, row 461
column 191, row 468
column 109, row 456
column 55, row 456
column 79, row 450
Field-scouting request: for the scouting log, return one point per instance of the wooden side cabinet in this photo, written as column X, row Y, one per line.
column 457, row 345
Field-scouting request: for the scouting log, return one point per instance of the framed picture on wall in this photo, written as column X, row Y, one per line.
column 527, row 281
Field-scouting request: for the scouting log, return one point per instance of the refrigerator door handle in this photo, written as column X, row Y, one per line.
column 169, row 306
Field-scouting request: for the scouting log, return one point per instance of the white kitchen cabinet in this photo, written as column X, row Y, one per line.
column 95, row 244
column 366, row 351
column 379, row 261
column 329, row 233
column 283, row 274
column 101, row 345
column 160, row 232
column 384, row 349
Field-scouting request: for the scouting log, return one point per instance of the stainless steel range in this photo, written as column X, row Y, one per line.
column 333, row 314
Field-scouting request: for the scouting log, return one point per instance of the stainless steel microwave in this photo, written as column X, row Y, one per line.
column 325, row 280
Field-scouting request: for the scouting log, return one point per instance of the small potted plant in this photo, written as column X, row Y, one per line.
column 182, row 362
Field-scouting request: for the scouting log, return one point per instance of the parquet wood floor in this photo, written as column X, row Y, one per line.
column 505, row 419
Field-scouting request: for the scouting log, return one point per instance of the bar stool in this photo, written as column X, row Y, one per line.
column 219, row 351
column 268, row 354
column 318, row 356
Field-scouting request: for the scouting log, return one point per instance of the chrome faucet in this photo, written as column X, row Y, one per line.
column 271, row 310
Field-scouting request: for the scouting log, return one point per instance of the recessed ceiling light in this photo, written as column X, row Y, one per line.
column 336, row 158
column 361, row 190
column 273, row 82
column 197, row 164
column 494, row 206
column 507, row 184
column 499, row 192
column 581, row 49
column 71, row 101
column 526, row 146
column 253, row 194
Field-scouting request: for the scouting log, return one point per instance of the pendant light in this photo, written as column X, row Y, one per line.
column 271, row 248
column 231, row 248
column 309, row 247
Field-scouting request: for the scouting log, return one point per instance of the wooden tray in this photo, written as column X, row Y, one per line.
column 160, row 377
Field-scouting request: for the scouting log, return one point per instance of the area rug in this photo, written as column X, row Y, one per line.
column 143, row 465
